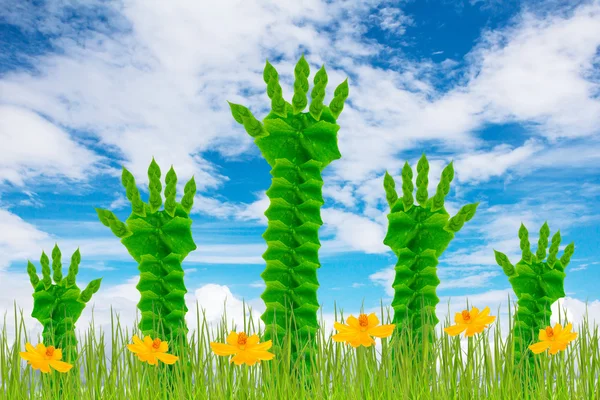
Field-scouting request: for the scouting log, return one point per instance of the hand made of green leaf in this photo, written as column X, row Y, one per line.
column 58, row 306
column 158, row 240
column 537, row 284
column 298, row 146
column 418, row 235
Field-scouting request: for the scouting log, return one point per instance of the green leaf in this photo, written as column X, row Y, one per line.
column 407, row 187
column 107, row 218
column 56, row 264
column 251, row 124
column 553, row 282
column 91, row 288
column 318, row 93
column 73, row 268
column 132, row 193
column 301, row 73
column 43, row 302
column 189, row 192
column 45, row 270
column 33, row 278
column 422, row 180
column 390, row 189
column 401, row 230
column 443, row 188
column 337, row 103
column 320, row 142
column 566, row 257
column 504, row 262
column 171, row 192
column 174, row 234
column 524, row 243
column 543, row 242
column 154, row 186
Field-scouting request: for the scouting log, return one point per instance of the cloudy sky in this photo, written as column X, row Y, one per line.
column 509, row 90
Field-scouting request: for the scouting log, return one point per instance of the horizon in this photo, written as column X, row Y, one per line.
column 509, row 93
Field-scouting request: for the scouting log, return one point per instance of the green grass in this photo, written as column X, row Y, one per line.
column 484, row 371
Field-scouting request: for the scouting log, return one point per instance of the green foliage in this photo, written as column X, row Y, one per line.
column 537, row 284
column 158, row 240
column 58, row 305
column 418, row 235
column 298, row 146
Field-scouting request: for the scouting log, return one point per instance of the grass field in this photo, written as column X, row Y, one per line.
column 482, row 370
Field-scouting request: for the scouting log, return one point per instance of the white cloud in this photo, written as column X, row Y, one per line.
column 481, row 166
column 359, row 232
column 34, row 147
column 538, row 71
column 17, row 239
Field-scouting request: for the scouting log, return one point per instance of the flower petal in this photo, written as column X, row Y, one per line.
column 163, row 348
column 382, row 330
column 484, row 313
column 373, row 320
column 472, row 329
column 167, row 358
column 260, row 346
column 557, row 329
column 222, row 349
column 232, row 338
column 458, row 318
column 41, row 349
column 239, row 358
column 537, row 348
column 474, row 313
column 60, row 366
column 152, row 359
column 260, row 355
column 137, row 348
column 352, row 321
column 148, row 341
column 555, row 347
column 252, row 340
column 455, row 329
column 343, row 328
column 486, row 320
column 44, row 367
column 366, row 340
column 137, row 340
column 345, row 336
column 31, row 356
column 29, row 347
column 57, row 355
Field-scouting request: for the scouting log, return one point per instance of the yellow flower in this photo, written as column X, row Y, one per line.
column 359, row 331
column 473, row 322
column 246, row 349
column 151, row 350
column 42, row 358
column 556, row 339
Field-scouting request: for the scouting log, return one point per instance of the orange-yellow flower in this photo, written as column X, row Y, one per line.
column 151, row 350
column 556, row 339
column 470, row 321
column 359, row 331
column 42, row 358
column 246, row 349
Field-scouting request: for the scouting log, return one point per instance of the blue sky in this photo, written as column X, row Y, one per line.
column 508, row 90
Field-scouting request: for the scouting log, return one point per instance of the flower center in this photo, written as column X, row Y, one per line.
column 466, row 316
column 549, row 332
column 363, row 321
column 156, row 343
column 50, row 351
column 242, row 338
